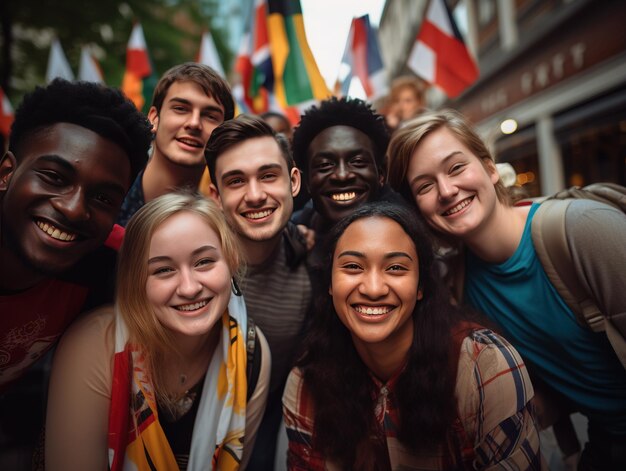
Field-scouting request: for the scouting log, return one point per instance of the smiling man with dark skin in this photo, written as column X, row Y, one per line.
column 340, row 147
column 74, row 151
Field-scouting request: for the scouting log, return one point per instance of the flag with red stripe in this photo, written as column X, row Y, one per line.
column 439, row 54
column 6, row 115
column 362, row 55
column 139, row 78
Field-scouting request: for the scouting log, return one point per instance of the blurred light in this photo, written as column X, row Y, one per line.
column 508, row 126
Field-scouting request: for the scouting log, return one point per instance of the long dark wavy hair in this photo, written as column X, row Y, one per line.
column 339, row 382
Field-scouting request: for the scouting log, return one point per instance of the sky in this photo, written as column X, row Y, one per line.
column 327, row 23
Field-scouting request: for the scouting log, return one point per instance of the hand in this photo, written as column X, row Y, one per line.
column 308, row 235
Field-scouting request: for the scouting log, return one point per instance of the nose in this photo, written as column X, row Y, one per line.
column 189, row 286
column 447, row 188
column 342, row 172
column 194, row 120
column 373, row 285
column 72, row 205
column 255, row 194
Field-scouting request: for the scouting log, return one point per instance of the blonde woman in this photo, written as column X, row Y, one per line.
column 159, row 381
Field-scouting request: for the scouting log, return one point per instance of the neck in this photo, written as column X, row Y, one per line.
column 258, row 252
column 162, row 176
column 498, row 240
column 384, row 359
column 15, row 274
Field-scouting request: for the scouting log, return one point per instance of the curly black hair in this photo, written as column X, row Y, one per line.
column 103, row 110
column 345, row 111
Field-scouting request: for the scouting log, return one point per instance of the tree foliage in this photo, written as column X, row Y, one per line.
column 172, row 28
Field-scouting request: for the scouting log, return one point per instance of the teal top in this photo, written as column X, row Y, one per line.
column 577, row 362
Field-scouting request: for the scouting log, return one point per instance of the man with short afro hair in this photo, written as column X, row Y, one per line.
column 340, row 148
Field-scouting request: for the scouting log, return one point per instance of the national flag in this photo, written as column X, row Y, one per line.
column 296, row 76
column 362, row 56
column 89, row 69
column 6, row 115
column 58, row 66
column 208, row 54
column 139, row 78
column 254, row 63
column 439, row 54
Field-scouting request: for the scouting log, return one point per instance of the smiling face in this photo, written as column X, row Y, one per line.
column 184, row 124
column 256, row 189
column 61, row 201
column 188, row 285
column 342, row 171
column 454, row 190
column 374, row 284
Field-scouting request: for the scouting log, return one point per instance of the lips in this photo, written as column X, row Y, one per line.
column 258, row 214
column 192, row 306
column 373, row 310
column 56, row 232
column 191, row 142
column 458, row 207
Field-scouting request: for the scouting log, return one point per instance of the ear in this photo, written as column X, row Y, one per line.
column 153, row 116
column 330, row 290
column 420, row 294
column 492, row 170
column 8, row 164
column 215, row 195
column 296, row 181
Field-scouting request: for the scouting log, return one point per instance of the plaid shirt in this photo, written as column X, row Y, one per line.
column 495, row 428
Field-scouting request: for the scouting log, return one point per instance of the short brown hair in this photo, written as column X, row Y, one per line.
column 207, row 78
column 406, row 140
column 407, row 82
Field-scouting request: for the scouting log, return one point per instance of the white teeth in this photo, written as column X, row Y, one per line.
column 343, row 196
column 55, row 233
column 192, row 307
column 259, row 214
column 372, row 311
column 458, row 207
column 190, row 143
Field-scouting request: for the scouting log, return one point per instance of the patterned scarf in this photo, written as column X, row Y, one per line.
column 136, row 440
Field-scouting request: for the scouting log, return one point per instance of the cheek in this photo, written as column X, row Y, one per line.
column 157, row 291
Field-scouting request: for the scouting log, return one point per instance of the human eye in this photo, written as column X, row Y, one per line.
column 359, row 161
column 212, row 116
column 351, row 266
column 52, row 177
column 233, row 182
column 322, row 165
column 397, row 267
column 205, row 262
column 270, row 176
column 162, row 270
column 423, row 188
column 457, row 168
column 104, row 199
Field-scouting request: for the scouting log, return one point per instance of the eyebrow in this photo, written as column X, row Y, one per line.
column 165, row 258
column 262, row 168
column 445, row 159
column 184, row 101
column 354, row 253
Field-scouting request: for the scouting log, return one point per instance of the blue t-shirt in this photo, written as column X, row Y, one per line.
column 575, row 361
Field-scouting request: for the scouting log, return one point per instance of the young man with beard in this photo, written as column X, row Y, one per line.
column 74, row 150
column 340, row 147
column 255, row 181
column 189, row 101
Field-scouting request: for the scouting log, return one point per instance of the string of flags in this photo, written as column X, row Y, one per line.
column 275, row 68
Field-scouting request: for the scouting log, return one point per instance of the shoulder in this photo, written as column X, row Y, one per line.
column 492, row 377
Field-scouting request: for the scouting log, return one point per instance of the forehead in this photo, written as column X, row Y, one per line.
column 193, row 92
column 83, row 149
column 340, row 139
column 250, row 155
column 375, row 235
column 189, row 231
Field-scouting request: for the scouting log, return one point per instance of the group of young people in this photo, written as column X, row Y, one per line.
column 229, row 313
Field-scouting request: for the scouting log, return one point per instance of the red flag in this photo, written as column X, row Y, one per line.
column 137, row 83
column 439, row 54
column 6, row 115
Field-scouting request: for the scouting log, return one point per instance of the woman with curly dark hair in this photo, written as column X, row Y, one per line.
column 393, row 377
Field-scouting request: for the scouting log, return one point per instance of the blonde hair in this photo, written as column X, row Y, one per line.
column 409, row 83
column 406, row 140
column 145, row 330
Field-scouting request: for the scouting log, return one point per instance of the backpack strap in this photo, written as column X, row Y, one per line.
column 550, row 241
column 253, row 358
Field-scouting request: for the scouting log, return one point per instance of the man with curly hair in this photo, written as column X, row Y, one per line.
column 74, row 150
column 340, row 148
